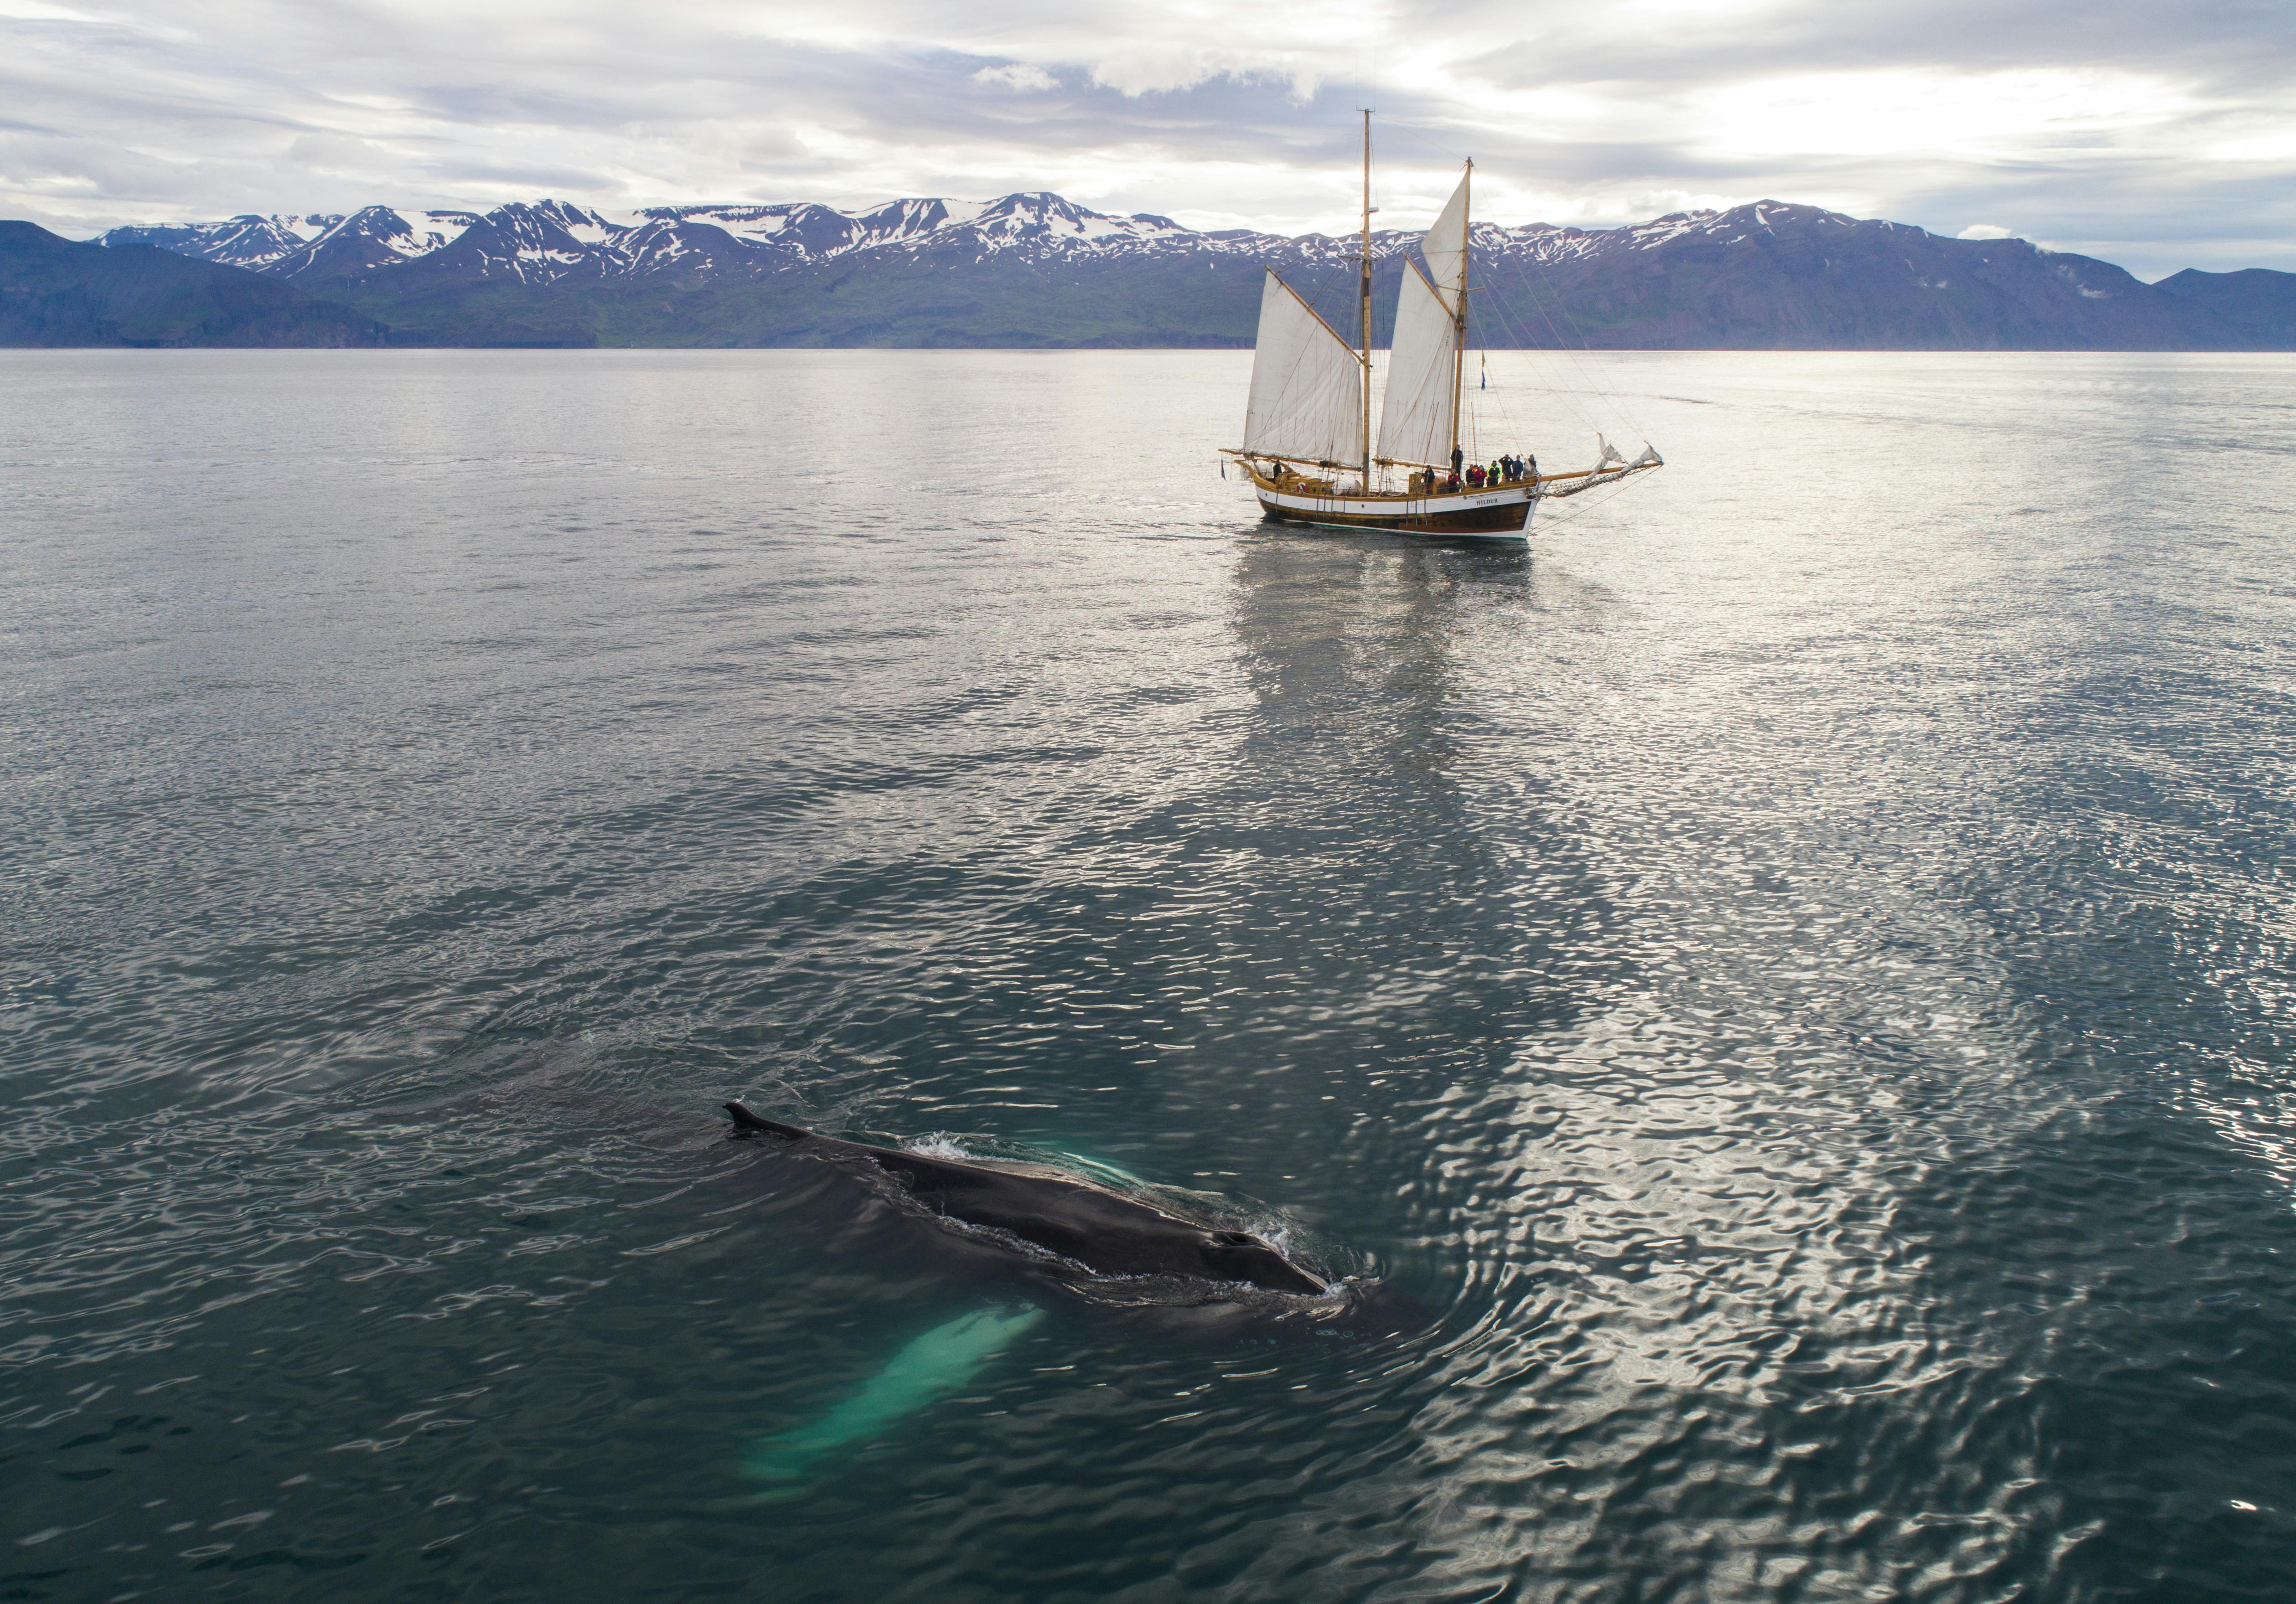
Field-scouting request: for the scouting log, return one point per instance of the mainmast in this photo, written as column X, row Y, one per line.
column 1459, row 345
column 1366, row 302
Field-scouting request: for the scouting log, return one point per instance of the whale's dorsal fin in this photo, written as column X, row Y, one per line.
column 743, row 1120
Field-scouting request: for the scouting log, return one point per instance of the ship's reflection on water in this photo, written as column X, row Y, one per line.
column 1767, row 995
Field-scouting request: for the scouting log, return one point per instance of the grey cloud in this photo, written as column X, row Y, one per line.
column 2240, row 43
column 300, row 107
column 537, row 181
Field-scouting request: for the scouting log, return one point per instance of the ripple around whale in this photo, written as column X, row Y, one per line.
column 1782, row 986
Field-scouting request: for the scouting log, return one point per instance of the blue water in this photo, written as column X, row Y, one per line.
column 1777, row 1000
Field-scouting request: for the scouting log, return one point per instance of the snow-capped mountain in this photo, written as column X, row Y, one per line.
column 1036, row 269
column 543, row 241
column 289, row 245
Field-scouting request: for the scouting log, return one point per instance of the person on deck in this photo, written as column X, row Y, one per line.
column 1458, row 456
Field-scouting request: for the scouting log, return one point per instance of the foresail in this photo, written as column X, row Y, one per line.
column 1414, row 421
column 1445, row 247
column 1307, row 385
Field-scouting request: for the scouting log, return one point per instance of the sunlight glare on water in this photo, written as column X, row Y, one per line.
column 1776, row 998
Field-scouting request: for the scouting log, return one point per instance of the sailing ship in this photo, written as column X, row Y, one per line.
column 1308, row 439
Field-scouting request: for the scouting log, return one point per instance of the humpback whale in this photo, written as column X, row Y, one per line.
column 1107, row 1233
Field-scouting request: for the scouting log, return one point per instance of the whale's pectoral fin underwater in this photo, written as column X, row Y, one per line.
column 936, row 1364
column 1087, row 1224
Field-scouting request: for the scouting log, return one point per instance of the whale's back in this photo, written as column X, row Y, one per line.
column 1107, row 1233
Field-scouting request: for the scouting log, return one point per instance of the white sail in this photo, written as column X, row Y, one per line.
column 1414, row 421
column 1446, row 250
column 1307, row 385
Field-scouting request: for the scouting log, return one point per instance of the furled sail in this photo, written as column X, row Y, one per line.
column 1414, row 421
column 1307, row 385
column 1446, row 249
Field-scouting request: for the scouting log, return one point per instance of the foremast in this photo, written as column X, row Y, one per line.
column 1459, row 316
column 1366, row 345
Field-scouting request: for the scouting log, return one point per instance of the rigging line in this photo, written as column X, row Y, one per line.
column 1530, row 274
column 1315, row 277
column 1560, row 391
column 1517, row 430
column 1309, row 307
column 1577, row 513
column 1487, row 398
column 1534, row 353
column 1563, row 346
column 1526, row 269
column 1320, row 279
column 1517, row 336
column 1564, row 349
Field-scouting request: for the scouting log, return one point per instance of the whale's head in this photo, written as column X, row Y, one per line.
column 1238, row 1256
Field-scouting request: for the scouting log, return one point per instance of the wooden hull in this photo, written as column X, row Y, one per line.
column 1502, row 513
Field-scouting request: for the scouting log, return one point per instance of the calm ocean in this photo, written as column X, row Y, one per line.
column 1779, row 998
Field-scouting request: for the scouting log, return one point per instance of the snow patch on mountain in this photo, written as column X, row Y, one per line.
column 545, row 240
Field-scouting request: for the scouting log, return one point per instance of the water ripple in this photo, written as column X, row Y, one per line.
column 1776, row 1001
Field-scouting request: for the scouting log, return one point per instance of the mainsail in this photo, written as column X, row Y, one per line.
column 1418, row 423
column 1307, row 385
column 1415, row 419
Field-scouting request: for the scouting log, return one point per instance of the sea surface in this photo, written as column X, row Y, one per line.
column 1775, row 1003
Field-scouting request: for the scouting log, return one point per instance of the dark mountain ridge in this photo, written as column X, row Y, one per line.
column 1772, row 276
column 55, row 291
column 2255, row 302
column 1033, row 269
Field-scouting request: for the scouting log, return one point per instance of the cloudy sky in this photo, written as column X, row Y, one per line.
column 2153, row 136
